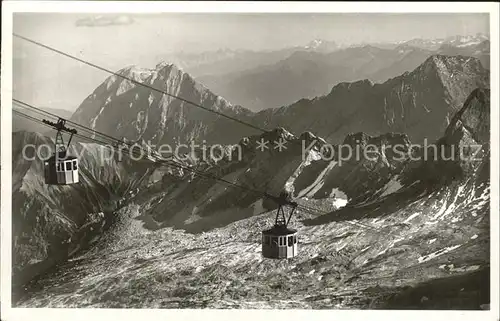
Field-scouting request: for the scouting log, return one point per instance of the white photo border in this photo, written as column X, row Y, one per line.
column 11, row 7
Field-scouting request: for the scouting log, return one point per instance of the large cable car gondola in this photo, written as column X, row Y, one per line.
column 61, row 168
column 280, row 242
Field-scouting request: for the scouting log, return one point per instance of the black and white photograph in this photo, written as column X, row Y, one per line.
column 246, row 156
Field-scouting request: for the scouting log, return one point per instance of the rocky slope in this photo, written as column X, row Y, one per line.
column 50, row 222
column 386, row 235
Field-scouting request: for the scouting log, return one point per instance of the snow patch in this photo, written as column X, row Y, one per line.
column 391, row 245
column 154, row 75
column 342, row 247
column 453, row 206
column 258, row 207
column 318, row 182
column 433, row 255
column 392, row 186
column 364, row 250
column 441, row 211
column 412, row 217
column 468, row 44
column 125, row 86
column 340, row 198
column 94, row 120
column 311, row 156
column 150, row 99
column 452, row 268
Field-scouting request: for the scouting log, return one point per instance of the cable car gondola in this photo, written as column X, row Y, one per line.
column 61, row 168
column 280, row 242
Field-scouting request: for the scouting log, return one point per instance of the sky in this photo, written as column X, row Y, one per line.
column 47, row 79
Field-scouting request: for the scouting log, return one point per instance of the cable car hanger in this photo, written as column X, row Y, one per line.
column 60, row 126
column 282, row 200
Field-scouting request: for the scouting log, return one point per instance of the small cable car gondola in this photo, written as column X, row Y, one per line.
column 280, row 242
column 61, row 168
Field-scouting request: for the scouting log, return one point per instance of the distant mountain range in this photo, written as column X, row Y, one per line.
column 306, row 73
column 454, row 41
column 224, row 61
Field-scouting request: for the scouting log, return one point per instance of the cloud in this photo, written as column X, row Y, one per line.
column 103, row 21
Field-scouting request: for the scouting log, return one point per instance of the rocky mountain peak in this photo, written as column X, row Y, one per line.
column 321, row 45
column 163, row 64
column 364, row 84
column 387, row 139
column 279, row 133
column 473, row 118
column 355, row 139
column 125, row 109
column 464, row 148
column 450, row 68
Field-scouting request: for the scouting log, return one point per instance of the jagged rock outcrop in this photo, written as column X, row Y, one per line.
column 464, row 149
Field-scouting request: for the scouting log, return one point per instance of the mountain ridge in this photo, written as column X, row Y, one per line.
column 172, row 120
column 210, row 234
column 161, row 119
column 440, row 83
column 248, row 86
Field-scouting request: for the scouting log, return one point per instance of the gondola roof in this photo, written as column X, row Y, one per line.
column 62, row 156
column 278, row 230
